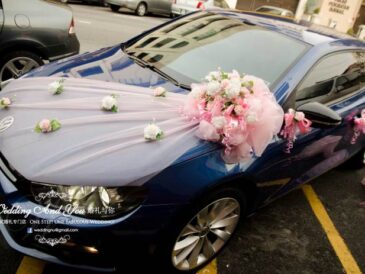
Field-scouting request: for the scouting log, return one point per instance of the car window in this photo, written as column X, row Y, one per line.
column 335, row 76
column 221, row 4
column 188, row 49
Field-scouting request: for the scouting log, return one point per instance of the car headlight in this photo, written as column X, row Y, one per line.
column 89, row 201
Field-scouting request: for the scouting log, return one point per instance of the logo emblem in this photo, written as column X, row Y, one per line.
column 6, row 123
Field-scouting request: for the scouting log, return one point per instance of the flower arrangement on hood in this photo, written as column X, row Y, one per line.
column 236, row 110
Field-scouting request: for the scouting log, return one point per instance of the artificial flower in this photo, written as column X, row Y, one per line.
column 56, row 87
column 152, row 132
column 213, row 88
column 46, row 126
column 251, row 118
column 239, row 110
column 219, row 122
column 159, row 92
column 226, row 105
column 5, row 102
column 110, row 103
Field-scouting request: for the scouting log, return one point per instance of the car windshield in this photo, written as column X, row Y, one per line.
column 188, row 49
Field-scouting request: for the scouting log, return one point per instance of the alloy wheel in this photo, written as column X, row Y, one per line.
column 206, row 234
column 16, row 67
column 141, row 9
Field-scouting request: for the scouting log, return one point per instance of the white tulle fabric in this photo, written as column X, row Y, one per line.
column 93, row 147
column 96, row 147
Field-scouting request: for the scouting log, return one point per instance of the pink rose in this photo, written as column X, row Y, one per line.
column 45, row 125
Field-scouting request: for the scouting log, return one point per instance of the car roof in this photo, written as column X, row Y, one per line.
column 311, row 34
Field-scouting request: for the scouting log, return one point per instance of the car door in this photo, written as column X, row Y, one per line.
column 337, row 81
column 160, row 6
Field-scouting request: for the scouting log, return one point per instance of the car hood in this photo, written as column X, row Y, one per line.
column 30, row 154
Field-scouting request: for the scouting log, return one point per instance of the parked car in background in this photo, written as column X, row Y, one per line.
column 142, row 7
column 32, row 31
column 275, row 11
column 181, row 7
column 100, row 2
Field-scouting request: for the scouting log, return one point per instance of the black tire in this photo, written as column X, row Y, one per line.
column 164, row 250
column 18, row 54
column 141, row 9
column 114, row 8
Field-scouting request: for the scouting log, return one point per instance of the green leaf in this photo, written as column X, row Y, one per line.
column 114, row 108
column 59, row 90
column 159, row 136
column 55, row 125
column 37, row 129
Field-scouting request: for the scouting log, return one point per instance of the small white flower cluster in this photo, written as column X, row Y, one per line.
column 5, row 102
column 153, row 133
column 159, row 92
column 110, row 103
column 56, row 87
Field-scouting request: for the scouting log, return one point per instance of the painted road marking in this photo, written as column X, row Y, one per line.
column 210, row 268
column 30, row 265
column 338, row 244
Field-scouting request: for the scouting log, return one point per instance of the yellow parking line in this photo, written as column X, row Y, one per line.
column 30, row 266
column 342, row 251
column 210, row 268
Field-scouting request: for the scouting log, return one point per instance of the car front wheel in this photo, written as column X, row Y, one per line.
column 141, row 9
column 15, row 64
column 205, row 232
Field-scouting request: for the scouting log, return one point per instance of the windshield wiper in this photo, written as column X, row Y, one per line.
column 167, row 77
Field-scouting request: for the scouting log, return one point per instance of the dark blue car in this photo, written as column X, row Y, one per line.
column 186, row 214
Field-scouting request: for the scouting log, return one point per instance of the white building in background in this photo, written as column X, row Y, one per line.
column 337, row 14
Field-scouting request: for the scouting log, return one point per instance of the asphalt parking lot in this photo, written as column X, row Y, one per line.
column 314, row 229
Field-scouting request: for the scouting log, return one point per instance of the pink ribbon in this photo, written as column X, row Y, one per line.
column 292, row 126
column 359, row 127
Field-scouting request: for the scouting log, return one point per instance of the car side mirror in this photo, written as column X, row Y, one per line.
column 320, row 115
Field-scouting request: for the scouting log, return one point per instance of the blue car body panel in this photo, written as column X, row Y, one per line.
column 202, row 168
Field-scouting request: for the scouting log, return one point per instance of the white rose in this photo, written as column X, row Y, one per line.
column 219, row 122
column 213, row 87
column 152, row 132
column 251, row 118
column 233, row 90
column 159, row 92
column 5, row 102
column 214, row 75
column 299, row 116
column 55, row 87
column 108, row 103
column 197, row 92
